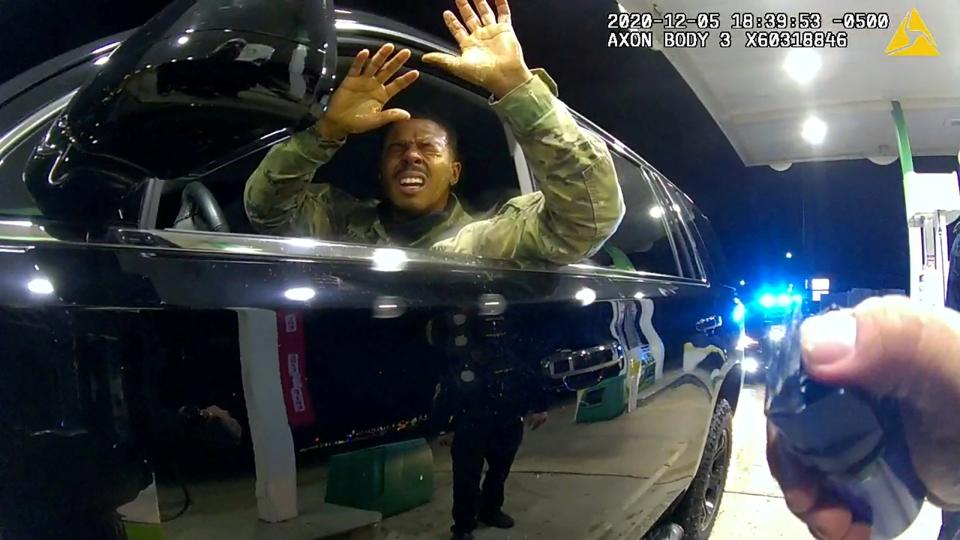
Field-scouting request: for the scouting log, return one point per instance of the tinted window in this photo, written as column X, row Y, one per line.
column 642, row 242
column 15, row 200
column 679, row 217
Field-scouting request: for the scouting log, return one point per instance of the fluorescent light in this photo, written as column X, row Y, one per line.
column 389, row 260
column 300, row 294
column 656, row 212
column 40, row 286
column 750, row 364
column 586, row 296
column 814, row 130
column 802, row 65
column 102, row 60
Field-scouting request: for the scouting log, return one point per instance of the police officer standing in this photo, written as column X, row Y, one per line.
column 483, row 398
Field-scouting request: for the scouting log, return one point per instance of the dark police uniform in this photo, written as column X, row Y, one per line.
column 482, row 397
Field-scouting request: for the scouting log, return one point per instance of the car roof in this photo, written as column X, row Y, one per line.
column 350, row 21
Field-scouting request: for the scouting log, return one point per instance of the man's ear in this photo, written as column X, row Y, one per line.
column 456, row 167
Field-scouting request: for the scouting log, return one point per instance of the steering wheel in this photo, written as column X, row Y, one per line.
column 199, row 210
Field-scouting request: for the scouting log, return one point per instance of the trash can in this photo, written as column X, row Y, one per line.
column 389, row 479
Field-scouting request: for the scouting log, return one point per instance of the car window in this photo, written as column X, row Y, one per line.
column 15, row 200
column 488, row 178
column 642, row 242
column 679, row 218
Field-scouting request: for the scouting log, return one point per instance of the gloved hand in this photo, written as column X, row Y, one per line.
column 893, row 347
column 357, row 104
column 490, row 55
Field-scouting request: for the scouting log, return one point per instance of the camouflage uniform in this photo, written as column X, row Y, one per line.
column 578, row 207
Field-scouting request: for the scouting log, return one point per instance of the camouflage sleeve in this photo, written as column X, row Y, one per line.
column 277, row 197
column 579, row 204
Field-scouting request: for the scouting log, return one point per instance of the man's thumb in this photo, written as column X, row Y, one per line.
column 888, row 346
column 445, row 61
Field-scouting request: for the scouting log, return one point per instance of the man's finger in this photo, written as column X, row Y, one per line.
column 800, row 487
column 893, row 346
column 389, row 116
column 378, row 60
column 503, row 11
column 457, row 30
column 401, row 83
column 468, row 15
column 890, row 346
column 829, row 520
column 357, row 67
column 448, row 62
column 486, row 14
column 858, row 531
column 393, row 66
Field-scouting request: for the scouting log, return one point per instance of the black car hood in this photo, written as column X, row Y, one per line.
column 199, row 84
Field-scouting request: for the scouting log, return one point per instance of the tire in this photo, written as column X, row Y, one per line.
column 697, row 511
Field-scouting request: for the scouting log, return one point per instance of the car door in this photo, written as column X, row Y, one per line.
column 140, row 347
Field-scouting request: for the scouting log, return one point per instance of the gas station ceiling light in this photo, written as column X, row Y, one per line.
column 814, row 130
column 802, row 65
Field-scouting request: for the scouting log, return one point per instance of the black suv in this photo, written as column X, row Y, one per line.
column 162, row 362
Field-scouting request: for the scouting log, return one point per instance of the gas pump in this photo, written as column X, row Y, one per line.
column 932, row 202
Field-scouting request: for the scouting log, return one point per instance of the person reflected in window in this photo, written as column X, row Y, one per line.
column 577, row 208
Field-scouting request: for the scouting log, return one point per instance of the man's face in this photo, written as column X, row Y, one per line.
column 418, row 167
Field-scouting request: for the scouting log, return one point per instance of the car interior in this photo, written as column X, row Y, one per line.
column 488, row 180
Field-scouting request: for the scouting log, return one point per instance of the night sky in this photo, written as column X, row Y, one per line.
column 843, row 220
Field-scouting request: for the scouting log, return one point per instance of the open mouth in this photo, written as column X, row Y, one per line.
column 411, row 183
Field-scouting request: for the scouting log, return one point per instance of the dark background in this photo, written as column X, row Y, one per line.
column 844, row 220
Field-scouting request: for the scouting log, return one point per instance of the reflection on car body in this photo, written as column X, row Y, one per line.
column 327, row 353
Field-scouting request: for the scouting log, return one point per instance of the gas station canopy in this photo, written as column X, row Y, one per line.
column 764, row 99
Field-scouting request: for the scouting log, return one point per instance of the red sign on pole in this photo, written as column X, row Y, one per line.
column 291, row 346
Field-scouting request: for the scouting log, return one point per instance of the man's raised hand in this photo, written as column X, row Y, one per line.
column 490, row 54
column 357, row 105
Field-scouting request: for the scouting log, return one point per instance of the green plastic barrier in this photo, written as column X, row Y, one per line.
column 389, row 479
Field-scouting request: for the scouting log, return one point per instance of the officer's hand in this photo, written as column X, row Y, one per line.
column 888, row 346
column 357, row 105
column 535, row 420
column 445, row 440
column 490, row 55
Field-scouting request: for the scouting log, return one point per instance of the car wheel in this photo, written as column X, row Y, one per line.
column 700, row 505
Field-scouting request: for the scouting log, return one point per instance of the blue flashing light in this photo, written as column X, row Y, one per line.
column 739, row 312
column 797, row 299
column 783, row 300
column 768, row 300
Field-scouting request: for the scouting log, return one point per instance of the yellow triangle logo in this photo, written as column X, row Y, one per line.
column 923, row 43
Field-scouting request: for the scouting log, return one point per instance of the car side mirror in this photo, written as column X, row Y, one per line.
column 200, row 84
